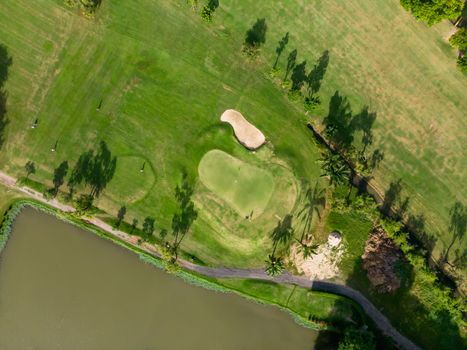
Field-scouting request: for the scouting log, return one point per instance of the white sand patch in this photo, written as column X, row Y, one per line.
column 247, row 134
column 324, row 264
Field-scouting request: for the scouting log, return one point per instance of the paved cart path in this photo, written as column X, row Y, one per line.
column 220, row 272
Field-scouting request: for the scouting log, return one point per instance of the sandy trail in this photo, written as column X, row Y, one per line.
column 221, row 272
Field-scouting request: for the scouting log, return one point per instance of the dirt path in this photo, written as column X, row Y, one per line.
column 220, row 272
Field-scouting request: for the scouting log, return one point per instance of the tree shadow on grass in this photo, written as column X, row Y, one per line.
column 94, row 169
column 298, row 76
column 59, row 177
column 291, row 61
column 5, row 63
column 256, row 35
column 457, row 227
column 185, row 214
column 280, row 48
column 316, row 75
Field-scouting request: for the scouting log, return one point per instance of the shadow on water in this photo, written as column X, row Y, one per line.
column 5, row 63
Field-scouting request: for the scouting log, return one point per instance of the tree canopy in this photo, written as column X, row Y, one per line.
column 459, row 39
column 357, row 339
column 434, row 11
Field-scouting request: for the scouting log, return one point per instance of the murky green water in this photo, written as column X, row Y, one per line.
column 65, row 288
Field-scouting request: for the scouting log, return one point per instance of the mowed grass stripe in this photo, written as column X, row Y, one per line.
column 381, row 56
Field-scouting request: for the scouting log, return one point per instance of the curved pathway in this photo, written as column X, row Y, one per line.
column 219, row 272
column 324, row 286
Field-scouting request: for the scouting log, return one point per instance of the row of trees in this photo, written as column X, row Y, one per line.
column 182, row 220
column 301, row 84
column 92, row 172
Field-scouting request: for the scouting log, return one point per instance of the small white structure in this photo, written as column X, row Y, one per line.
column 334, row 239
column 247, row 134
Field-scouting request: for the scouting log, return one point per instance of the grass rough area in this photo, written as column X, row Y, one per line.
column 138, row 88
column 403, row 70
column 245, row 187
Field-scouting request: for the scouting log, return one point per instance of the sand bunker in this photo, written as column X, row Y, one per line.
column 247, row 134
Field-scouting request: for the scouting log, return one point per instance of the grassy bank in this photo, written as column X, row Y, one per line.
column 155, row 102
column 305, row 306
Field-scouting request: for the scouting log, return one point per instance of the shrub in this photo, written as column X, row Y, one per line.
column 311, row 103
column 459, row 39
column 462, row 63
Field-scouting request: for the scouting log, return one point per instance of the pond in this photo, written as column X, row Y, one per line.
column 65, row 288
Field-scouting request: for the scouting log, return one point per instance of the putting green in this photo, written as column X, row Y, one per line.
column 245, row 187
column 129, row 184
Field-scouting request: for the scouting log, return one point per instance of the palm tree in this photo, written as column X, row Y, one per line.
column 335, row 168
column 274, row 266
column 307, row 250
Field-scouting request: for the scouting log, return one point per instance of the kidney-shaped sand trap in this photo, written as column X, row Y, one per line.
column 245, row 187
column 247, row 134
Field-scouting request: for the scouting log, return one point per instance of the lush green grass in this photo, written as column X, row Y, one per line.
column 164, row 77
column 160, row 102
column 245, row 187
column 403, row 70
column 332, row 309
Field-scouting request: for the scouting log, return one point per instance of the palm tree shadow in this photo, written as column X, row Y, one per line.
column 314, row 202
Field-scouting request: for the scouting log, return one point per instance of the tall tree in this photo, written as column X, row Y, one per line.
column 334, row 168
column 59, row 177
column 120, row 215
column 459, row 39
column 30, row 168
column 274, row 265
column 185, row 215
column 434, row 11
column 148, row 227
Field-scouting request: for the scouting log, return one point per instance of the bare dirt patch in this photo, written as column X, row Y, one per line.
column 322, row 265
column 247, row 134
column 379, row 260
